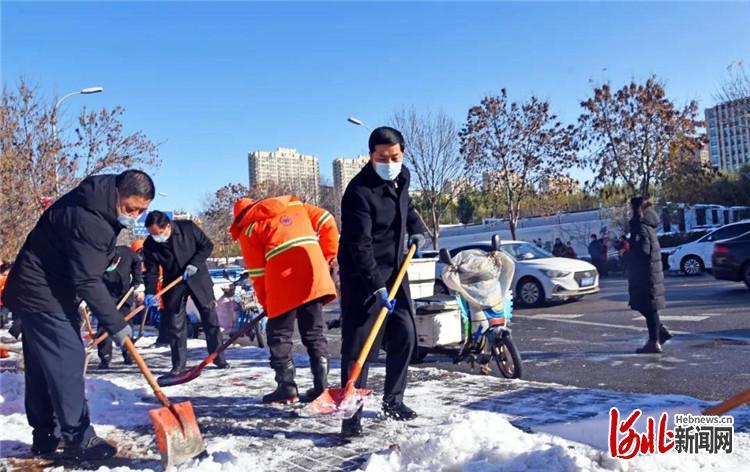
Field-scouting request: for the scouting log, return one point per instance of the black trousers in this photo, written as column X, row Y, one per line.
column 653, row 323
column 280, row 330
column 399, row 339
column 176, row 321
column 104, row 348
column 55, row 391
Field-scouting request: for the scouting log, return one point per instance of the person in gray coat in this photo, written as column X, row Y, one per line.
column 645, row 273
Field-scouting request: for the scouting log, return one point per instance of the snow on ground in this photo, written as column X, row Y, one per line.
column 467, row 422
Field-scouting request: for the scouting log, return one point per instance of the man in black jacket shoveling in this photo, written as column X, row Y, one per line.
column 65, row 257
column 125, row 272
column 377, row 215
column 181, row 249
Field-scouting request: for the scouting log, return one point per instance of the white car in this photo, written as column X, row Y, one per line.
column 541, row 277
column 695, row 257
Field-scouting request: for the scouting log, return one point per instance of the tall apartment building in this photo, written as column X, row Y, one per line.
column 728, row 126
column 298, row 173
column 344, row 171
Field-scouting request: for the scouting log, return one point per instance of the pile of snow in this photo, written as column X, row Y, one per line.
column 480, row 441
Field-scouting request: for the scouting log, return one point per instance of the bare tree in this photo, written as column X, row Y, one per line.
column 519, row 146
column 217, row 217
column 632, row 135
column 736, row 84
column 432, row 152
column 36, row 168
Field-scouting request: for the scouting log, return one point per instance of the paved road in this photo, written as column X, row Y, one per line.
column 591, row 343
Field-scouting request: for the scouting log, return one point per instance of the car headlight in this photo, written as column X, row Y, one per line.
column 555, row 274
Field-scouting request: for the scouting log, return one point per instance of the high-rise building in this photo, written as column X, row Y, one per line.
column 728, row 126
column 344, row 171
column 294, row 172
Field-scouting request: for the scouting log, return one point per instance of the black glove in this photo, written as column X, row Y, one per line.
column 119, row 337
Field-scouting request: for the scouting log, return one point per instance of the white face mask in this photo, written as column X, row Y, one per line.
column 161, row 238
column 388, row 171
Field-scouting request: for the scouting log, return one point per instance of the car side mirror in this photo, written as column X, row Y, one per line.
column 445, row 257
column 495, row 242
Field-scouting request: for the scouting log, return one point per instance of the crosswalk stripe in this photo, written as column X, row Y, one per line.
column 676, row 318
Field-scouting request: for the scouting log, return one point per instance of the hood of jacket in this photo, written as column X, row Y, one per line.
column 248, row 212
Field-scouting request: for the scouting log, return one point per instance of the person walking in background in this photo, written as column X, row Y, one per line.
column 289, row 247
column 180, row 248
column 598, row 254
column 570, row 251
column 645, row 273
column 559, row 249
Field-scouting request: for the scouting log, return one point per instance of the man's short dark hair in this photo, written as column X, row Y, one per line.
column 158, row 218
column 386, row 135
column 135, row 183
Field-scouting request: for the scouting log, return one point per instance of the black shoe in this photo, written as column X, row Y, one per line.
column 221, row 364
column 103, row 365
column 177, row 370
column 45, row 444
column 398, row 411
column 351, row 428
column 651, row 347
column 286, row 389
column 95, row 449
column 664, row 334
column 126, row 359
column 319, row 369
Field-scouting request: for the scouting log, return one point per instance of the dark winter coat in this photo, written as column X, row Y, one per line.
column 67, row 254
column 187, row 245
column 128, row 273
column 645, row 273
column 376, row 217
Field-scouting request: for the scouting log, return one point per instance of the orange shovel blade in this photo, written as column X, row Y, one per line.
column 337, row 402
column 177, row 434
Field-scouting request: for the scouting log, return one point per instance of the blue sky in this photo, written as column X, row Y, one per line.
column 213, row 81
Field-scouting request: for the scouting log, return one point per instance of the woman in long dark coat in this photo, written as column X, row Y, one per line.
column 645, row 273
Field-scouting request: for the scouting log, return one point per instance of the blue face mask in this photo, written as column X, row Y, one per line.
column 388, row 171
column 161, row 238
column 126, row 221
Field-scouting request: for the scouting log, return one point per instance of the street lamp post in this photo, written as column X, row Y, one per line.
column 358, row 122
column 85, row 91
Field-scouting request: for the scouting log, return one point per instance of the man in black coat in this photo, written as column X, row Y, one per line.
column 127, row 272
column 645, row 273
column 377, row 215
column 181, row 249
column 64, row 257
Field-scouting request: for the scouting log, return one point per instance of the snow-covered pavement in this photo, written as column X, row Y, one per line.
column 467, row 422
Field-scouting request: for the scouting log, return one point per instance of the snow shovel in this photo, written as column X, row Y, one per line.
column 177, row 432
column 135, row 311
column 89, row 349
column 87, row 321
column 190, row 374
column 344, row 402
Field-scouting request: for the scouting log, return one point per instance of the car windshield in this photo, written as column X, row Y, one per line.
column 525, row 251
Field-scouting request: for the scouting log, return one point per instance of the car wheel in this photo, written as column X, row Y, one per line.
column 692, row 265
column 530, row 292
column 746, row 274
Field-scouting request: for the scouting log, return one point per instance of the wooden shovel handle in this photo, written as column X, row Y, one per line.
column 125, row 297
column 730, row 404
column 136, row 310
column 365, row 352
column 146, row 372
column 87, row 320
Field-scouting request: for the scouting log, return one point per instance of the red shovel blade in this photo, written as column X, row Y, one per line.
column 185, row 376
column 177, row 434
column 337, row 402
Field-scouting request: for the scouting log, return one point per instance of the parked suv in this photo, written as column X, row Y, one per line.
column 695, row 257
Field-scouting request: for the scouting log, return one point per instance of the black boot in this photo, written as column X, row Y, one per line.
column 396, row 410
column 177, row 369
column 221, row 363
column 319, row 369
column 93, row 449
column 352, row 427
column 44, row 443
column 652, row 346
column 286, row 389
column 104, row 363
column 664, row 334
column 126, row 359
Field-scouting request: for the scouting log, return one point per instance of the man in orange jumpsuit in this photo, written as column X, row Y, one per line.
column 288, row 247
